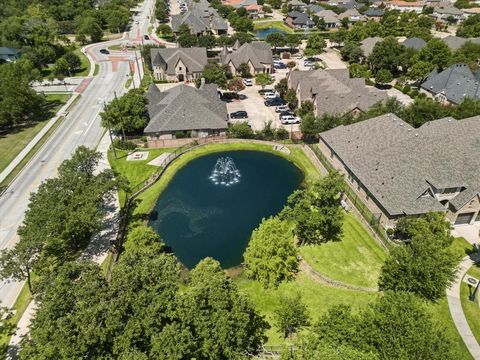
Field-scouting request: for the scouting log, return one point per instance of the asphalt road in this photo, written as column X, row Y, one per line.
column 81, row 127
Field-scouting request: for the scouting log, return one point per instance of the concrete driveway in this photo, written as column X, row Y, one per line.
column 469, row 232
column 332, row 60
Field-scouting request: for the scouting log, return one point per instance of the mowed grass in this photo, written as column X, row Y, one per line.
column 135, row 172
column 15, row 140
column 318, row 298
column 471, row 308
column 274, row 24
column 356, row 259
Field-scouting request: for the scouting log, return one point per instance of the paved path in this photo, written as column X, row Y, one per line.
column 456, row 310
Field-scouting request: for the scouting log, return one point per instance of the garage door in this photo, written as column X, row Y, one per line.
column 464, row 218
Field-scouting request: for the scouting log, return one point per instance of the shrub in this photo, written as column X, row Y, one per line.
column 124, row 145
column 406, row 89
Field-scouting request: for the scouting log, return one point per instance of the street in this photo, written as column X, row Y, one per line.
column 81, row 127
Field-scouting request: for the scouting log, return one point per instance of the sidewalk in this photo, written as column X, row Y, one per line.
column 456, row 310
column 13, row 164
column 97, row 251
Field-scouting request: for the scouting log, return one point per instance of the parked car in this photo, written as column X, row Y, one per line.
column 285, row 113
column 239, row 115
column 146, row 37
column 273, row 102
column 247, row 82
column 307, row 63
column 272, row 77
column 282, row 108
column 104, row 51
column 279, row 66
column 269, row 95
column 289, row 119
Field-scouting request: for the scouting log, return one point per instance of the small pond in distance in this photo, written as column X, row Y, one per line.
column 263, row 33
column 198, row 218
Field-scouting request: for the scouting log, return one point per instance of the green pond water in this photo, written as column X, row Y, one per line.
column 198, row 218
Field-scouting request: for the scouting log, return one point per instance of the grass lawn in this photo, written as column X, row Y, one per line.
column 14, row 141
column 148, row 198
column 471, row 308
column 274, row 24
column 84, row 66
column 461, row 247
column 318, row 297
column 134, row 171
column 356, row 259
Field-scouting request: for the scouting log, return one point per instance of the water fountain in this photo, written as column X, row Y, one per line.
column 225, row 172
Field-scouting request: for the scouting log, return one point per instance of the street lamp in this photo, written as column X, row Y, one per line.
column 109, row 130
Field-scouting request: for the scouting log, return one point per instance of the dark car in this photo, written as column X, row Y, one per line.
column 283, row 113
column 146, row 37
column 274, row 102
column 280, row 66
column 104, row 51
column 239, row 115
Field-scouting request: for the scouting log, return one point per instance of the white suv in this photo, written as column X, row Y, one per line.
column 289, row 119
column 247, row 82
column 269, row 95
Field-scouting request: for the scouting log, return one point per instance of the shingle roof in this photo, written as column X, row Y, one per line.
column 449, row 11
column 397, row 163
column 314, row 8
column 329, row 16
column 334, row 92
column 185, row 108
column 414, row 43
column 258, row 52
column 300, row 18
column 200, row 17
column 194, row 58
column 455, row 42
column 457, row 82
column 374, row 12
column 367, row 44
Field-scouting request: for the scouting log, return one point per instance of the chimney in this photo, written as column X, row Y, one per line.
column 202, row 82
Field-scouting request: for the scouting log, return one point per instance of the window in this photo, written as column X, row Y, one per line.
column 180, row 68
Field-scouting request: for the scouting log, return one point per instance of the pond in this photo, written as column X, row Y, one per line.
column 198, row 216
column 263, row 33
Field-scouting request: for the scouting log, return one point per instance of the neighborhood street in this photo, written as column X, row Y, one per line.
column 80, row 127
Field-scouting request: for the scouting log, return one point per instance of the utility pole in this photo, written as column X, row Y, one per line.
column 138, row 67
column 110, row 133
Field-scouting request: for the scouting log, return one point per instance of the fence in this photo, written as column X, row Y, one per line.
column 373, row 220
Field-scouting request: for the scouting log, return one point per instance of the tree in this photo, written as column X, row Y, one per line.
column 351, row 52
column 271, row 256
column 321, row 24
column 345, row 22
column 292, row 40
column 263, row 80
column 214, row 74
column 359, row 71
column 291, row 65
column 315, row 45
column 291, row 98
column 386, row 54
column 467, row 108
column 276, row 40
column 316, row 212
column 244, row 70
column 281, row 87
column 423, row 110
column 223, row 321
column 206, row 41
column 436, row 52
column 187, row 40
column 240, row 130
column 126, row 113
column 90, row 27
column 310, row 126
column 420, row 70
column 383, row 76
column 291, row 315
column 236, row 85
column 470, row 27
column 425, row 266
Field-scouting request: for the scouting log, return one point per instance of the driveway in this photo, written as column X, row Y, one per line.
column 332, row 60
column 469, row 232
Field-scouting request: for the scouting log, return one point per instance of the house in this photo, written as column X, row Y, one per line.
column 345, row 4
column 415, row 43
column 297, row 5
column 405, row 6
column 299, row 20
column 352, row 15
column 331, row 19
column 257, row 55
column 453, row 84
column 255, row 11
column 332, row 91
column 8, row 54
column 178, row 64
column 367, row 44
column 447, row 13
column 398, row 170
column 314, row 8
column 374, row 13
column 455, row 42
column 201, row 19
column 471, row 12
column 184, row 112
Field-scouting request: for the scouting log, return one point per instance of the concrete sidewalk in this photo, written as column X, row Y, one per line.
column 13, row 164
column 456, row 310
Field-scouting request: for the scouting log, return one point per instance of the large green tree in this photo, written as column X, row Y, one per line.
column 214, row 74
column 271, row 256
column 386, row 54
column 436, row 52
column 292, row 315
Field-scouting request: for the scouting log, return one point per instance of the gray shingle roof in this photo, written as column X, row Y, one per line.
column 300, row 18
column 200, row 18
column 194, row 58
column 449, row 11
column 415, row 43
column 367, row 44
column 374, row 12
column 314, row 8
column 457, row 82
column 185, row 108
column 397, row 163
column 455, row 42
column 258, row 52
column 329, row 16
